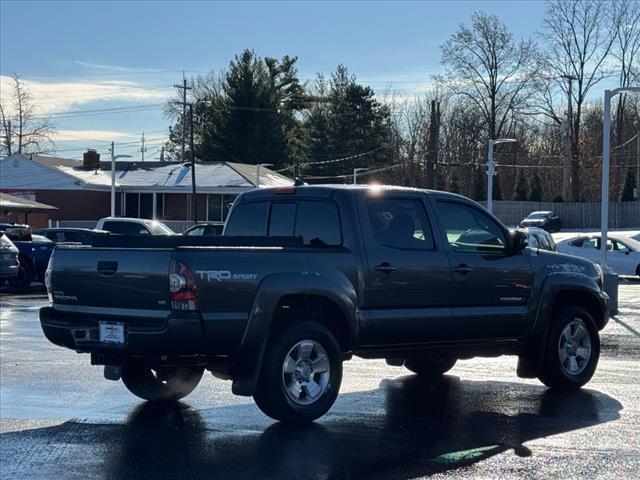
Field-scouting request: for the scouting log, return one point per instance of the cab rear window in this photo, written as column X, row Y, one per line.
column 317, row 222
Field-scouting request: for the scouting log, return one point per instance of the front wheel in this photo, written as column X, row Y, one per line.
column 158, row 384
column 301, row 373
column 572, row 351
column 430, row 366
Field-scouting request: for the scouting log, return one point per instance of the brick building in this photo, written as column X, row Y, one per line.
column 81, row 189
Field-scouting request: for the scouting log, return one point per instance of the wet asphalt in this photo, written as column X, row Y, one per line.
column 59, row 419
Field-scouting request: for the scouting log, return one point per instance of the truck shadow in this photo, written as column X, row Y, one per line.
column 406, row 428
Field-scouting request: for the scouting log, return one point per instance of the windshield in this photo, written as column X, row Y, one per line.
column 158, row 228
column 632, row 244
column 538, row 215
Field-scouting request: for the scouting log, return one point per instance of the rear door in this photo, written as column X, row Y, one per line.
column 407, row 283
column 491, row 285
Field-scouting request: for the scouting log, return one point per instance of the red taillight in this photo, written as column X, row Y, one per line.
column 182, row 287
column 285, row 191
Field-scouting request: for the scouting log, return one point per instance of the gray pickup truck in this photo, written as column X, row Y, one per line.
column 305, row 277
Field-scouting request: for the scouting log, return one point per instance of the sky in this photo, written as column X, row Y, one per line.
column 79, row 57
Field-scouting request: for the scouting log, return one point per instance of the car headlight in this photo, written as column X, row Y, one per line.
column 600, row 274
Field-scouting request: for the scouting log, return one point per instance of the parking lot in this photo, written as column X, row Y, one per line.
column 61, row 419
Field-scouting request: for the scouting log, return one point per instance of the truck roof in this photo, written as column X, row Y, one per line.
column 329, row 190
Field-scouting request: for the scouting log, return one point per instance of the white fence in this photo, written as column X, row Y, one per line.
column 572, row 215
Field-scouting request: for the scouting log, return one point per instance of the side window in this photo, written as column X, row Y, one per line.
column 532, row 241
column 248, row 219
column 318, row 223
column 195, row 232
column 113, row 227
column 619, row 247
column 469, row 229
column 400, row 223
column 590, row 243
column 282, row 219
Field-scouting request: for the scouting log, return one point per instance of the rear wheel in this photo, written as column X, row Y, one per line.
column 573, row 350
column 301, row 373
column 430, row 366
column 24, row 277
column 161, row 383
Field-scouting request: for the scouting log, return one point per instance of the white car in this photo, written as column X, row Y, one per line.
column 623, row 254
column 133, row 226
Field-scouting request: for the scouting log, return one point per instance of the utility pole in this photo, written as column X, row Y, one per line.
column 637, row 160
column 9, row 138
column 114, row 157
column 570, row 170
column 432, row 153
column 184, row 89
column 143, row 148
column 194, row 203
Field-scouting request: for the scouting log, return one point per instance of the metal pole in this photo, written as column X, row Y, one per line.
column 194, row 203
column 258, row 175
column 638, row 162
column 113, row 180
column 604, row 212
column 490, row 177
column 355, row 176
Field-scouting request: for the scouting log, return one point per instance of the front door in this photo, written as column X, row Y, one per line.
column 407, row 284
column 491, row 283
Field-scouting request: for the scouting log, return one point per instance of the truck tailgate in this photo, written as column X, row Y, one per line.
column 111, row 278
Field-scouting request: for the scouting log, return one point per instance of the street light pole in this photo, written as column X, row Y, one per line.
column 114, row 157
column 491, row 169
column 355, row 174
column 606, row 143
column 258, row 166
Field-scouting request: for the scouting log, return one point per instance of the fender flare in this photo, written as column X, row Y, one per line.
column 271, row 290
column 532, row 357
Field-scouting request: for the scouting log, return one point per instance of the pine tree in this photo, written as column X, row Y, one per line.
column 522, row 189
column 629, row 186
column 535, row 189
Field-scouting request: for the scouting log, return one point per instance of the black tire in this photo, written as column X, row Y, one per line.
column 272, row 395
column 430, row 366
column 556, row 371
column 638, row 270
column 160, row 383
column 24, row 277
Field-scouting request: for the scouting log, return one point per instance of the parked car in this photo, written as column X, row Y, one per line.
column 34, row 252
column 205, row 230
column 133, row 226
column 539, row 238
column 546, row 220
column 9, row 263
column 623, row 252
column 305, row 277
column 84, row 236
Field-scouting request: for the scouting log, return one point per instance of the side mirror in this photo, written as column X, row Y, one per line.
column 518, row 241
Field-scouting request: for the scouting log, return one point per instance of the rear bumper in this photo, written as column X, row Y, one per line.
column 179, row 333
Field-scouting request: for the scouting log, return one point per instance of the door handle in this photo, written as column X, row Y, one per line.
column 107, row 269
column 385, row 267
column 463, row 269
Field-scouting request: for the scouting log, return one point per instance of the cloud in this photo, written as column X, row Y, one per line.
column 50, row 97
column 92, row 135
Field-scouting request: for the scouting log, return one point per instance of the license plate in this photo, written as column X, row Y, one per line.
column 112, row 332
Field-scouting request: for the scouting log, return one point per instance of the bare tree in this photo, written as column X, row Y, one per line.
column 487, row 66
column 578, row 39
column 24, row 131
column 626, row 52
